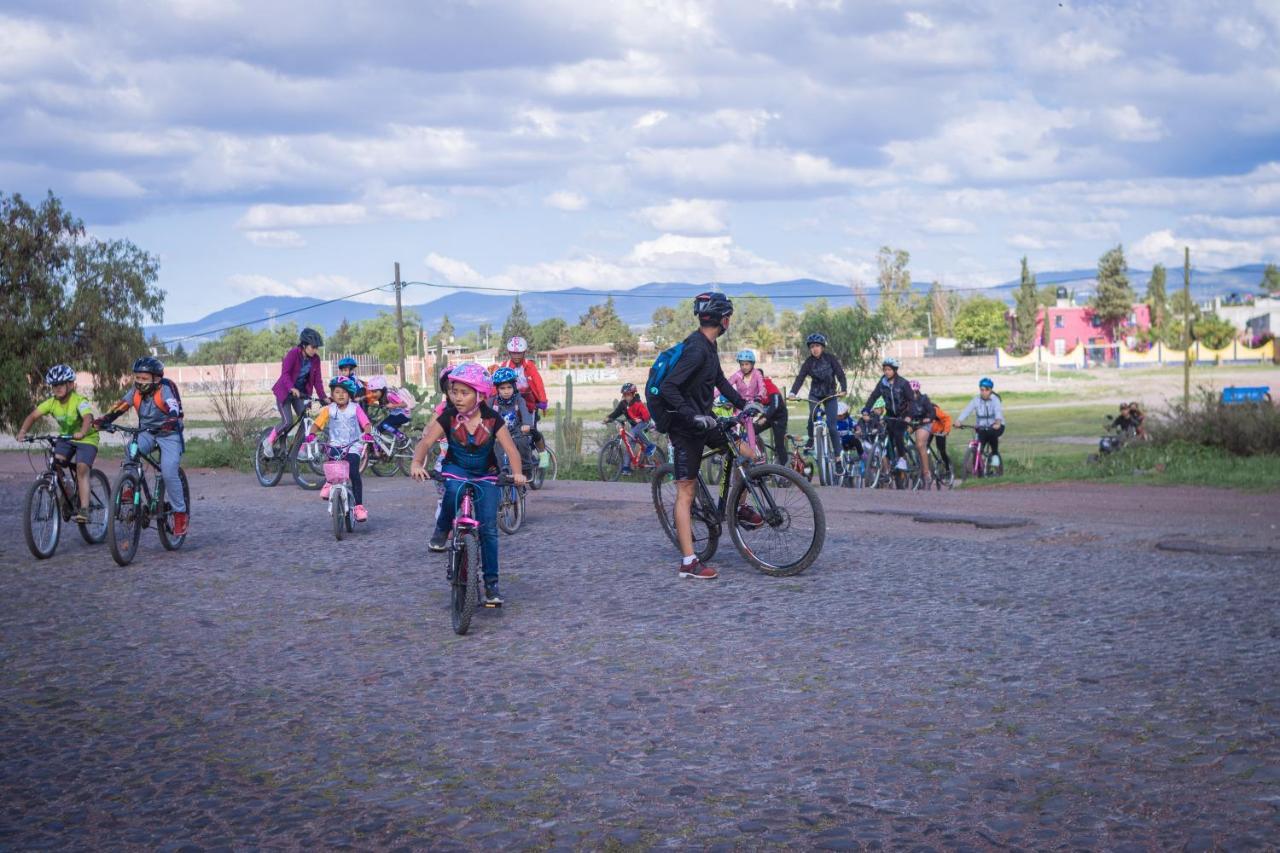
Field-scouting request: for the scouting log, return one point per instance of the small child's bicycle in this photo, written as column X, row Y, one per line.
column 134, row 503
column 977, row 459
column 54, row 498
column 337, row 473
column 466, row 592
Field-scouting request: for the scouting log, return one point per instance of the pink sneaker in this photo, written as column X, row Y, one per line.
column 362, row 514
column 324, row 492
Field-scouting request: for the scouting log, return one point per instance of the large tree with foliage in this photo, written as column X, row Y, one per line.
column 244, row 345
column 548, row 335
column 1214, row 332
column 377, row 336
column 1026, row 309
column 1157, row 300
column 665, row 328
column 67, row 297
column 1113, row 302
column 517, row 324
column 981, row 324
column 1271, row 279
column 749, row 314
column 602, row 325
column 894, row 280
column 855, row 336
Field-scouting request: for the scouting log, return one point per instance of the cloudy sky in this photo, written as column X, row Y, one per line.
column 302, row 147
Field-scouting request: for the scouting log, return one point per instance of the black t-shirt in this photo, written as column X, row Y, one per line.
column 690, row 387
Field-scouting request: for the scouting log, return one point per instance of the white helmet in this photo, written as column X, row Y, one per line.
column 517, row 344
column 842, row 409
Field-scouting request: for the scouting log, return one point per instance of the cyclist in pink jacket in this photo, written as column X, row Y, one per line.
column 748, row 381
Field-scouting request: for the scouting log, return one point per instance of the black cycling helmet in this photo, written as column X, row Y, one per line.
column 815, row 338
column 628, row 387
column 149, row 364
column 712, row 307
column 310, row 337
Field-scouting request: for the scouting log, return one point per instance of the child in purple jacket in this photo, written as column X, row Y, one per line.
column 299, row 378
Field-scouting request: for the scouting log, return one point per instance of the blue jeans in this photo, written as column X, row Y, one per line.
column 486, row 512
column 170, row 444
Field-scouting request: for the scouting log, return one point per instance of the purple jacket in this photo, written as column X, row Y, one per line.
column 289, row 370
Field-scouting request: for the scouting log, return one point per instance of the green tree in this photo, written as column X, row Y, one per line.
column 1271, row 279
column 67, row 297
column 764, row 340
column 789, row 330
column 179, row 354
column 1113, row 302
column 939, row 318
column 548, row 334
column 377, row 335
column 749, row 314
column 1025, row 311
column 981, row 324
column 340, row 340
column 517, row 324
column 664, row 328
column 1214, row 332
column 1157, row 300
column 895, row 288
column 445, row 332
column 854, row 335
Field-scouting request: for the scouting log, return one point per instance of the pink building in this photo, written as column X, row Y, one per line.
column 1072, row 325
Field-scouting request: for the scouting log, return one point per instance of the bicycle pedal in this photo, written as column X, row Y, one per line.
column 492, row 606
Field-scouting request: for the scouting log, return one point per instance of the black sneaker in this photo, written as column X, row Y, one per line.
column 491, row 596
column 439, row 541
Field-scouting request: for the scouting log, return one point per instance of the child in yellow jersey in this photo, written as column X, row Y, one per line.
column 74, row 416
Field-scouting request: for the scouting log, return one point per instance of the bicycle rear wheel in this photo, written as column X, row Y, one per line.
column 170, row 540
column 307, row 461
column 706, row 528
column 269, row 470
column 510, row 511
column 465, row 590
column 795, row 524
column 99, row 500
column 386, row 464
column 612, row 456
column 125, row 527
column 44, row 518
column 970, row 460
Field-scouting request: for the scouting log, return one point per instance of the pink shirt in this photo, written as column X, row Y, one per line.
column 752, row 390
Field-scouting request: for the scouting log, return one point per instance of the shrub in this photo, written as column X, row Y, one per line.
column 1242, row 429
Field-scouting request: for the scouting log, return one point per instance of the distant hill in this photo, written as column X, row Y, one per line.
column 468, row 310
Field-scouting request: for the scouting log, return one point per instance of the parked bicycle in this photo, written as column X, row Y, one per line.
column 389, row 453
column 135, row 503
column 337, row 473
column 793, row 527
column 304, row 459
column 826, row 462
column 797, row 460
column 977, row 458
column 545, row 468
column 512, row 504
column 624, row 451
column 465, row 572
column 54, row 498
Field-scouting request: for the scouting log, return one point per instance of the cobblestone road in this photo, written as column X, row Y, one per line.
column 1062, row 684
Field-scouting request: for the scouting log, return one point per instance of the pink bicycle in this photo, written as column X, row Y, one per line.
column 342, row 505
column 464, row 573
column 977, row 459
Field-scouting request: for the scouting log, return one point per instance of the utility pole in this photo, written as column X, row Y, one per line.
column 400, row 324
column 1186, row 325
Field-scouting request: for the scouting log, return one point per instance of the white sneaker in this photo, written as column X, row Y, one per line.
column 995, row 460
column 901, row 465
column 268, row 447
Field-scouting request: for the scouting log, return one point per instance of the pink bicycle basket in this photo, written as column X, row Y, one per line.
column 336, row 471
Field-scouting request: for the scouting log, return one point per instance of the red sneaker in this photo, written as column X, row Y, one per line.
column 698, row 570
column 749, row 517
column 180, row 524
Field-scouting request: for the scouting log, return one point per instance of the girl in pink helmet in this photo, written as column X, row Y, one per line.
column 472, row 431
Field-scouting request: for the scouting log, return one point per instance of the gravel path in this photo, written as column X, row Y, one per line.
column 1057, row 684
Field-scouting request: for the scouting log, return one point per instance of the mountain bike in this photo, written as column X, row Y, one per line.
column 793, row 524
column 545, row 468
column 624, row 451
column 466, row 592
column 826, row 462
column 977, row 458
column 304, row 460
column 796, row 460
column 389, row 453
column 337, row 474
column 135, row 503
column 942, row 475
column 512, row 505
column 54, row 498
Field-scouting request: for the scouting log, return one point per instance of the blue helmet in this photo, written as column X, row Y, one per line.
column 59, row 374
column 504, row 376
column 346, row 361
column 890, row 361
column 746, row 355
column 985, row 382
column 815, row 338
column 345, row 383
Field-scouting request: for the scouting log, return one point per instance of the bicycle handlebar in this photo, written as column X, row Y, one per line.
column 49, row 438
column 495, row 479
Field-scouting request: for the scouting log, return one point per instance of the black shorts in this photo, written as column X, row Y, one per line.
column 76, row 451
column 687, row 449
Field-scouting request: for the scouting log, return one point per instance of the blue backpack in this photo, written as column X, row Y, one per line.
column 662, row 365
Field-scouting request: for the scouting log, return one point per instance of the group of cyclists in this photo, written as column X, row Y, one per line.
column 484, row 410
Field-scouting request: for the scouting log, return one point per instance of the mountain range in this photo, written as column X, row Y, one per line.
column 467, row 310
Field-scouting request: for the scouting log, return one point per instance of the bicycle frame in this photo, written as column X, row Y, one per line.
column 733, row 460
column 53, row 470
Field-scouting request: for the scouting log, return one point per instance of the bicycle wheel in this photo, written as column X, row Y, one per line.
column 44, row 518
column 970, row 459
column 875, row 468
column 795, row 524
column 125, row 527
column 99, row 499
column 168, row 538
column 337, row 513
column 509, row 510
column 713, row 469
column 383, row 466
column 307, row 461
column 553, row 465
column 993, row 469
column 269, row 470
column 822, row 455
column 611, row 458
column 706, row 528
column 466, row 585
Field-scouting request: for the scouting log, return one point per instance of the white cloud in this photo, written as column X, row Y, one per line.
column 1127, row 123
column 1165, row 246
column 566, row 200
column 271, row 216
column 650, row 119
column 687, row 216
column 743, row 171
column 637, row 75
column 408, row 203
column 452, row 270
column 949, row 225
column 276, row 239
column 249, row 285
column 107, row 184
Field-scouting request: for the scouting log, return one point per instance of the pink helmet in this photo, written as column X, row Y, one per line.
column 915, row 386
column 517, row 344
column 377, row 383
column 474, row 375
